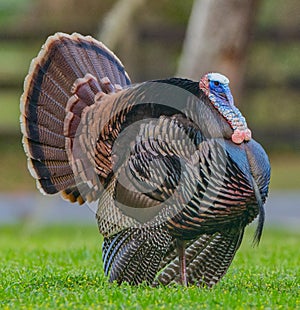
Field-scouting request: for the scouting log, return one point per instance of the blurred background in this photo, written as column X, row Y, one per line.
column 254, row 42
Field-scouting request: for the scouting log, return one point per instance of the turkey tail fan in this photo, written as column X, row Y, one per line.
column 207, row 260
column 49, row 112
column 134, row 255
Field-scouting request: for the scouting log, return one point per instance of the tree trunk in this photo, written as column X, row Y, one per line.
column 118, row 22
column 217, row 39
column 119, row 32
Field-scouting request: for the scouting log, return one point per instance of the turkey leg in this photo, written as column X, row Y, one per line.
column 182, row 262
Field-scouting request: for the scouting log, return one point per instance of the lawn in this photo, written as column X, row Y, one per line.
column 60, row 268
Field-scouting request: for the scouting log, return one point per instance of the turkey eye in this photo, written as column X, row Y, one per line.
column 216, row 83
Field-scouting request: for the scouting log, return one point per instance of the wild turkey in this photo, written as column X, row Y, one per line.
column 170, row 163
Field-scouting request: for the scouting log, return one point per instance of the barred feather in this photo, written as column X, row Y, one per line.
column 207, row 260
column 63, row 61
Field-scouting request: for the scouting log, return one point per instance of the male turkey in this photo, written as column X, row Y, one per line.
column 170, row 163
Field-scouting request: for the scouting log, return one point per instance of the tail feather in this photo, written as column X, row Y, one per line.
column 53, row 112
column 49, row 113
column 44, row 152
column 51, row 168
column 43, row 135
column 54, row 185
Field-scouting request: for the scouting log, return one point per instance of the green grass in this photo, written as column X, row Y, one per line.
column 60, row 268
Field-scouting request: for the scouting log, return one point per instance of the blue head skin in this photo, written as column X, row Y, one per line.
column 219, row 89
column 216, row 87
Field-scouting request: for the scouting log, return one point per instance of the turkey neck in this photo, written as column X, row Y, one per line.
column 199, row 109
column 176, row 96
